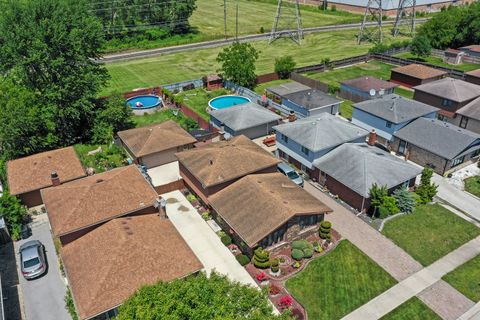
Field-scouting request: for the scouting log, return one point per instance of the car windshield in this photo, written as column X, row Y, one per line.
column 292, row 175
column 30, row 263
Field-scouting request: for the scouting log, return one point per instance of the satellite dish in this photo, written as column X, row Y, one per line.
column 381, row 92
column 373, row 92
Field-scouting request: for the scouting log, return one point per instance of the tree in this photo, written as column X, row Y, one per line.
column 421, row 46
column 377, row 194
column 404, row 199
column 238, row 64
column 49, row 47
column 427, row 189
column 13, row 212
column 198, row 298
column 284, row 66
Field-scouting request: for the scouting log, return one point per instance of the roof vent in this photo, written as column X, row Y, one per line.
column 258, row 181
column 211, row 162
column 285, row 202
column 99, row 180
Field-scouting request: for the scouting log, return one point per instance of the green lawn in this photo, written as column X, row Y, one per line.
column 197, row 100
column 439, row 62
column 466, row 279
column 170, row 68
column 430, row 232
column 346, row 108
column 332, row 286
column 413, row 309
column 110, row 157
column 160, row 116
column 404, row 92
column 472, row 185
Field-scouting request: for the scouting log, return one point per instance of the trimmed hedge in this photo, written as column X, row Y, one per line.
column 275, row 265
column 325, row 231
column 261, row 258
column 301, row 245
column 242, row 259
column 297, row 254
column 226, row 239
column 307, row 253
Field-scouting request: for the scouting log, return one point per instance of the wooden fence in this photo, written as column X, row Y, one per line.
column 309, row 82
column 267, row 77
column 169, row 187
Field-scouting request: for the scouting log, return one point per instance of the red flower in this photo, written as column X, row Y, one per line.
column 285, row 302
column 261, row 276
column 274, row 289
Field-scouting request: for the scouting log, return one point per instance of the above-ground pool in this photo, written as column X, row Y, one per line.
column 145, row 103
column 224, row 102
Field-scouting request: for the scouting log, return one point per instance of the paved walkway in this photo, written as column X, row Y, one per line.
column 428, row 279
column 472, row 314
column 457, row 198
column 202, row 240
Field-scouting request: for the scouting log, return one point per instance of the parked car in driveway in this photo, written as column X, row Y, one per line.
column 290, row 173
column 32, row 259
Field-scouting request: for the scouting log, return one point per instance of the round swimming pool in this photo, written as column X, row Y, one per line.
column 144, row 102
column 224, row 102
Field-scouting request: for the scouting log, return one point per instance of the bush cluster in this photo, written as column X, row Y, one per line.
column 226, row 239
column 261, row 258
column 381, row 47
column 301, row 249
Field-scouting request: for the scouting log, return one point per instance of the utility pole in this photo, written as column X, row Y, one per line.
column 236, row 23
column 288, row 12
column 225, row 18
column 405, row 18
column 373, row 12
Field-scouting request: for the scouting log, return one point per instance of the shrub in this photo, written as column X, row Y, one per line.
column 297, row 264
column 301, row 244
column 206, row 215
column 261, row 258
column 284, row 66
column 274, row 290
column 70, row 305
column 274, row 265
column 191, row 197
column 226, row 239
column 426, row 190
column 333, row 88
column 307, row 253
column 242, row 259
column 390, row 204
column 383, row 212
column 405, row 200
column 297, row 254
column 262, row 29
column 333, row 8
column 325, row 231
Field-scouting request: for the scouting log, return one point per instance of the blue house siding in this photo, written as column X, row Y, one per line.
column 302, row 112
column 369, row 121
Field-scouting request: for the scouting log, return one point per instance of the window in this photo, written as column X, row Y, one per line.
column 447, row 103
column 463, row 122
column 476, row 153
column 284, row 138
column 305, row 151
column 389, row 124
column 307, row 221
column 402, row 147
column 457, row 161
column 441, row 117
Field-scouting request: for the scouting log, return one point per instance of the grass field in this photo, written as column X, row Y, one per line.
column 430, row 232
column 334, row 285
column 170, row 68
column 160, row 116
column 466, row 279
column 472, row 185
column 439, row 62
column 197, row 100
column 413, row 309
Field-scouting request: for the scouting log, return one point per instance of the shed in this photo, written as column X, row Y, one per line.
column 278, row 92
column 365, row 88
column 213, row 82
column 452, row 56
column 415, row 75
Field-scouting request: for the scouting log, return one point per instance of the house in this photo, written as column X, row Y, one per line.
column 437, row 144
column 278, row 92
column 156, row 144
column 473, row 76
column 249, row 119
column 468, row 117
column 388, row 114
column 267, row 210
column 211, row 168
column 311, row 102
column 415, row 74
column 114, row 240
column 212, row 82
column 27, row 176
column 77, row 207
column 453, row 56
column 350, row 170
column 471, row 51
column 365, row 88
column 448, row 95
column 305, row 140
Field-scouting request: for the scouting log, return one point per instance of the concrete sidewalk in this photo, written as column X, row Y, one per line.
column 425, row 278
column 202, row 240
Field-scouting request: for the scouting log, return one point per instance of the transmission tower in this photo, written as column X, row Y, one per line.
column 405, row 17
column 372, row 31
column 288, row 22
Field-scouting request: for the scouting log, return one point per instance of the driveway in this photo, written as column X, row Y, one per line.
column 203, row 240
column 462, row 200
column 43, row 297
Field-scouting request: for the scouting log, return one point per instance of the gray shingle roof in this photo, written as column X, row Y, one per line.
column 364, row 165
column 287, row 88
column 320, row 132
column 471, row 110
column 245, row 116
column 440, row 138
column 312, row 99
column 366, row 83
column 452, row 89
column 395, row 108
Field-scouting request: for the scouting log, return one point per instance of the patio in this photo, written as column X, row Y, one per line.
column 164, row 174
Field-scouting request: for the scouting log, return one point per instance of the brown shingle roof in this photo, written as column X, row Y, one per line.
column 419, row 71
column 471, row 110
column 107, row 265
column 89, row 201
column 155, row 138
column 452, row 89
column 475, row 73
column 256, row 205
column 367, row 83
column 226, row 160
column 34, row 172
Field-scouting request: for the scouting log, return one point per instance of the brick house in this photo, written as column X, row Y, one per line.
column 156, row 145
column 112, row 230
column 210, row 168
column 366, row 88
column 267, row 210
column 448, row 95
column 415, row 74
column 27, row 176
column 437, row 144
column 305, row 140
column 350, row 170
column 473, row 76
column 468, row 117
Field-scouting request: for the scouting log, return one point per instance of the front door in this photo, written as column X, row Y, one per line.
column 402, row 147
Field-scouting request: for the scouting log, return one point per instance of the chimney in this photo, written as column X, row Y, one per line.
column 55, row 179
column 160, row 205
column 372, row 137
column 292, row 117
column 222, row 132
